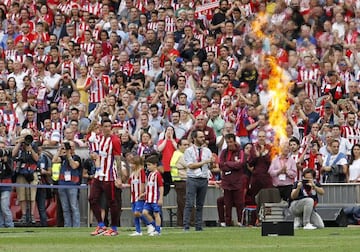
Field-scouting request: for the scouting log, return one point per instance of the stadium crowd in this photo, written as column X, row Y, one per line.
column 165, row 73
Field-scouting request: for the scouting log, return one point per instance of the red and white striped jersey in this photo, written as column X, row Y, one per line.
column 95, row 34
column 88, row 48
column 64, row 8
column 93, row 140
column 232, row 62
column 70, row 66
column 145, row 65
column 248, row 9
column 108, row 148
column 305, row 74
column 10, row 54
column 346, row 77
column 153, row 184
column 43, row 37
column 201, row 38
column 83, row 27
column 97, row 90
column 127, row 69
column 44, row 58
column 94, row 9
column 141, row 5
column 10, row 120
column 59, row 126
column 152, row 26
column 190, row 23
column 136, row 179
column 170, row 25
column 351, row 133
column 18, row 58
column 214, row 49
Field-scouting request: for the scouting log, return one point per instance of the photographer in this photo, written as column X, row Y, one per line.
column 26, row 156
column 70, row 173
column 6, row 173
column 304, row 198
column 44, row 175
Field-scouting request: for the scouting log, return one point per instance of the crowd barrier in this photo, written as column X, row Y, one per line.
column 340, row 195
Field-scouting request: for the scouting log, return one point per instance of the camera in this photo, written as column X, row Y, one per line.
column 67, row 146
column 5, row 152
column 305, row 184
column 28, row 139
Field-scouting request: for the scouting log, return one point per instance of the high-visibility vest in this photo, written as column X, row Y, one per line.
column 55, row 171
column 174, row 170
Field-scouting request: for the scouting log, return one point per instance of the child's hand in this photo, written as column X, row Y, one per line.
column 160, row 202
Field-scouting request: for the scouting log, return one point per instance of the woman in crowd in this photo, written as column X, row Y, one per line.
column 354, row 168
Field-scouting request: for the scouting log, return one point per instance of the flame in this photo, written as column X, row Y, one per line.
column 279, row 85
column 259, row 25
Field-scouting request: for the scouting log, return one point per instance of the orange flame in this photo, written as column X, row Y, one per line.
column 279, row 85
column 259, row 24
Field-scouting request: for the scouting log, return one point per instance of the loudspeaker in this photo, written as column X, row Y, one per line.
column 277, row 228
column 333, row 216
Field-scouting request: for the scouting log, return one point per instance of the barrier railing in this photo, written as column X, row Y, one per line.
column 335, row 194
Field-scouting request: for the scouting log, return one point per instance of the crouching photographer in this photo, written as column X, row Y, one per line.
column 304, row 198
column 6, row 173
column 25, row 154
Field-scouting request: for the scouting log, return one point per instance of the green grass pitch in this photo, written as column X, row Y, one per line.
column 174, row 239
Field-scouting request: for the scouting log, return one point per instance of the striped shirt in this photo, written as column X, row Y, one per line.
column 312, row 74
column 136, row 179
column 97, row 89
column 351, row 133
column 108, row 148
column 153, row 185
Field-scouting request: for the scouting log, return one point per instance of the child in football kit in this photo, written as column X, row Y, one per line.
column 154, row 194
column 137, row 181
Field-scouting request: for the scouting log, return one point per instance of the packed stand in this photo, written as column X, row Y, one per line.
column 162, row 74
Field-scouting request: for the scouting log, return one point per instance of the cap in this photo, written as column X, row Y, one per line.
column 327, row 105
column 243, row 85
column 179, row 60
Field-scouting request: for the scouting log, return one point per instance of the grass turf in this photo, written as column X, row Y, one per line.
column 173, row 239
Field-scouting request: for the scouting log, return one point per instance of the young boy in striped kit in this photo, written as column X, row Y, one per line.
column 154, row 194
column 137, row 187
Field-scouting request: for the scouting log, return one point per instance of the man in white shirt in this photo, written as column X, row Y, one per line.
column 51, row 81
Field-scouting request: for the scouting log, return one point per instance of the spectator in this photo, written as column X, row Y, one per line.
column 210, row 137
column 304, row 197
column 354, row 166
column 345, row 145
column 283, row 172
column 215, row 121
column 260, row 177
column 146, row 127
column 335, row 166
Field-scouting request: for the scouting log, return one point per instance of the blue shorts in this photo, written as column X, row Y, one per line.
column 137, row 206
column 152, row 207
